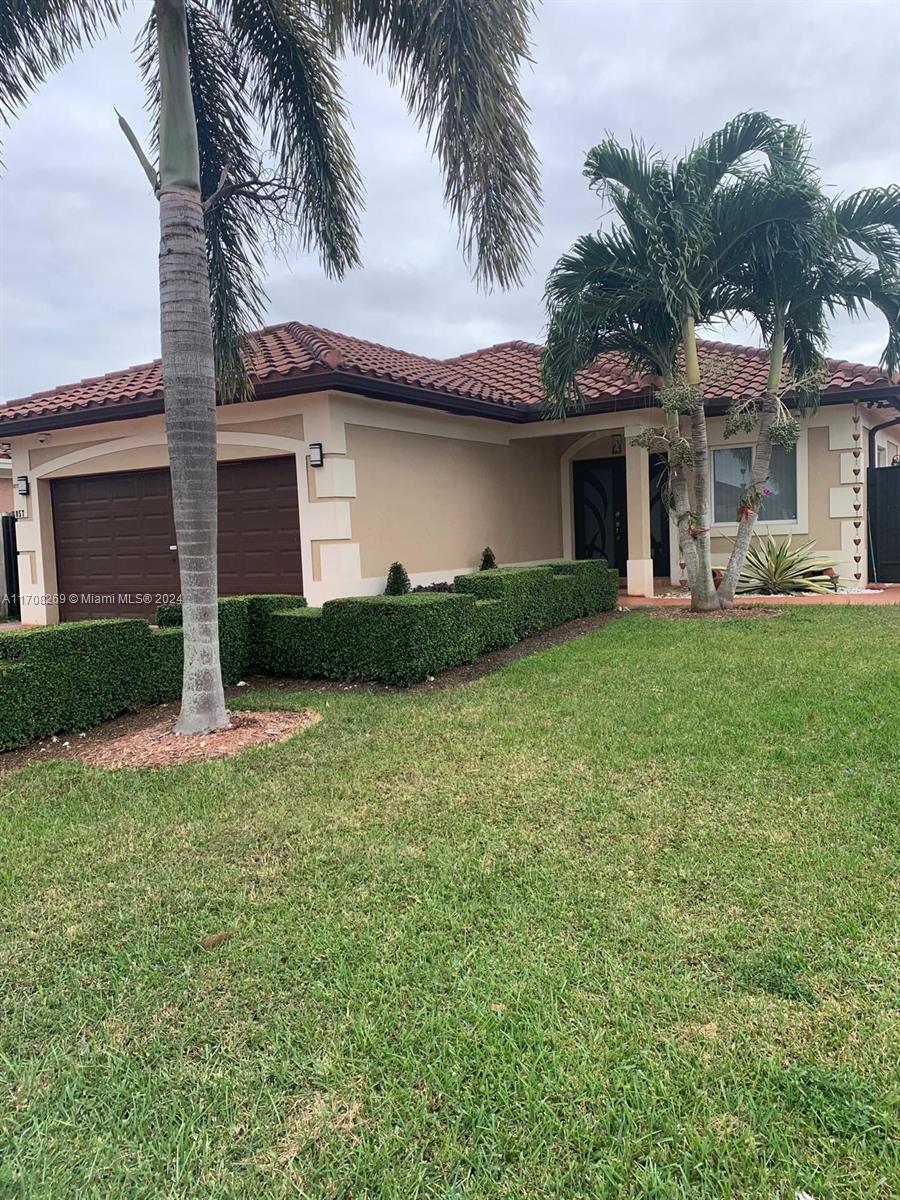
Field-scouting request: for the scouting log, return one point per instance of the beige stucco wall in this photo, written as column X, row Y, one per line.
column 426, row 487
column 434, row 503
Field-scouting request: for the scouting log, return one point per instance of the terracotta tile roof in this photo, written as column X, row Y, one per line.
column 499, row 379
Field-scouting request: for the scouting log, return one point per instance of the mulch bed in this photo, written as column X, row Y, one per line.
column 685, row 614
column 145, row 732
column 159, row 746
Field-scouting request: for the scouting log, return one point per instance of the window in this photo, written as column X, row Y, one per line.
column 731, row 475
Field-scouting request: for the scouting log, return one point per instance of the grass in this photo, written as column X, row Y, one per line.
column 618, row 921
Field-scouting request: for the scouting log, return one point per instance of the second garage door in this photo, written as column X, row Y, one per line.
column 114, row 537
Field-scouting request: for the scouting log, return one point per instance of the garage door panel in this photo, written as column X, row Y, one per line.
column 114, row 532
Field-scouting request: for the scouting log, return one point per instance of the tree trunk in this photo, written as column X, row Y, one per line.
column 703, row 591
column 189, row 379
column 759, row 474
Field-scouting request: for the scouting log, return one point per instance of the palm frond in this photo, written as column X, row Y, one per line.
column 610, row 163
column 859, row 288
column 723, row 154
column 457, row 65
column 294, row 90
column 870, row 220
column 40, row 36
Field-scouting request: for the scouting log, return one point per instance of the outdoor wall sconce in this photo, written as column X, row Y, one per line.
column 316, row 454
column 22, row 485
column 617, row 444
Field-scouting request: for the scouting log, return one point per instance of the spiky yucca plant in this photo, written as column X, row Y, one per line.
column 773, row 569
column 250, row 138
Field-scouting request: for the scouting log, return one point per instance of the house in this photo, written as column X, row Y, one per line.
column 6, row 484
column 351, row 455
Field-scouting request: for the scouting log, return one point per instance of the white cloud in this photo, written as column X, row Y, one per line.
column 77, row 225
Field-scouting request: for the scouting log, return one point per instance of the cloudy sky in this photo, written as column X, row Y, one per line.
column 78, row 292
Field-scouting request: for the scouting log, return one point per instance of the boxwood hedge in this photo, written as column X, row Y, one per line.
column 70, row 676
column 399, row 639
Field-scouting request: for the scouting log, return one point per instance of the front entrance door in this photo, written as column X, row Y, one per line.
column 660, row 547
column 601, row 510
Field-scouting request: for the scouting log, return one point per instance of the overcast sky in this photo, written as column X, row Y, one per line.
column 78, row 225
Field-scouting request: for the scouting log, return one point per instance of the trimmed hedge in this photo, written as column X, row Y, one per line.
column 70, row 676
column 77, row 674
column 64, row 677
column 494, row 624
column 242, row 626
column 596, row 584
column 399, row 639
column 547, row 595
column 295, row 644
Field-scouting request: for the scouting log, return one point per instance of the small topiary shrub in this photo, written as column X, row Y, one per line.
column 488, row 560
column 397, row 581
column 399, row 639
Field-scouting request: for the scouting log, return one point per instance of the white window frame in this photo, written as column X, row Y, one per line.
column 799, row 525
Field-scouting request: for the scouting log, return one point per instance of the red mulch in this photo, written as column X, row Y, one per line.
column 157, row 745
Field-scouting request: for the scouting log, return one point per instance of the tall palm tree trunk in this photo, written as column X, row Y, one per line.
column 703, row 591
column 759, row 475
column 188, row 378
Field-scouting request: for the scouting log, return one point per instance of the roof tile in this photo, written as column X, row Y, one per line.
column 505, row 376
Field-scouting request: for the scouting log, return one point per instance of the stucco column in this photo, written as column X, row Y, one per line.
column 37, row 550
column 639, row 569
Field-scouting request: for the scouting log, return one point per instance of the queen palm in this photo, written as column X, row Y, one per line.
column 645, row 284
column 250, row 139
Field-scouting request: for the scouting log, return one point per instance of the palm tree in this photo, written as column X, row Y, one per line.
column 645, row 284
column 217, row 72
column 854, row 264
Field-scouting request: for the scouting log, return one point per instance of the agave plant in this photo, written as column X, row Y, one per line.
column 783, row 570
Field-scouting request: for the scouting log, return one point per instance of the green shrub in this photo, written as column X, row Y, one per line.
column 597, row 585
column 397, row 580
column 529, row 592
column 399, row 639
column 488, row 560
column 242, row 629
column 546, row 595
column 495, row 624
column 295, row 644
column 71, row 676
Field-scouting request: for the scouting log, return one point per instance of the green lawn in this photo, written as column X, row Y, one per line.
column 618, row 921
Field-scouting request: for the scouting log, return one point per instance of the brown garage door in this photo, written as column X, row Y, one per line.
column 115, row 533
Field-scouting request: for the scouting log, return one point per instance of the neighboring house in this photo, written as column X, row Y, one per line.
column 6, row 484
column 423, row 460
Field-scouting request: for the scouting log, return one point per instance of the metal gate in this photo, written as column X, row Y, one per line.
column 9, row 570
column 884, row 523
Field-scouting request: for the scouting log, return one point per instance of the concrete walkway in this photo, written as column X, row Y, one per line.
column 889, row 594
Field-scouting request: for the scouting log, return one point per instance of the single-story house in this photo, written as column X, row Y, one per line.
column 351, row 455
